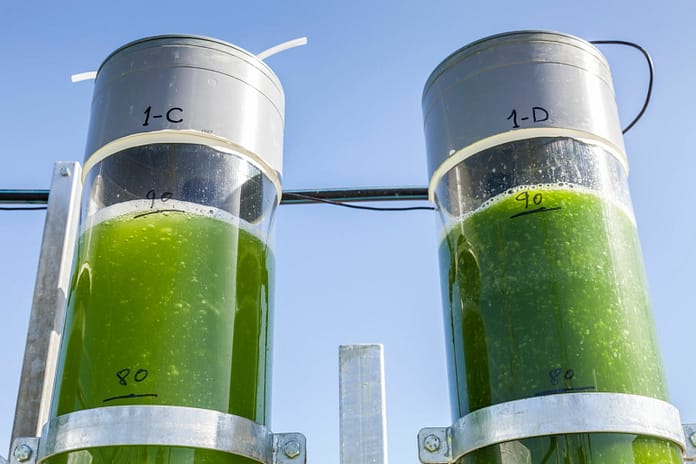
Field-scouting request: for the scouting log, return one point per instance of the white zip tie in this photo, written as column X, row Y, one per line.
column 85, row 76
column 91, row 75
column 282, row 47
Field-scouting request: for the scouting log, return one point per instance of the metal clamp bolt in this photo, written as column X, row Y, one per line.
column 432, row 443
column 292, row 449
column 65, row 172
column 22, row 453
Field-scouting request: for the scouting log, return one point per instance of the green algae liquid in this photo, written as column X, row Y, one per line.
column 546, row 294
column 167, row 307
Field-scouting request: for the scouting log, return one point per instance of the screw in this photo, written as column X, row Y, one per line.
column 693, row 438
column 22, row 453
column 292, row 449
column 65, row 172
column 432, row 443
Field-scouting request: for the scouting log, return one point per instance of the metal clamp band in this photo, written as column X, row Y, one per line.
column 169, row 426
column 551, row 415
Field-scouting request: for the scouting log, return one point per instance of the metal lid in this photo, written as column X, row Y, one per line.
column 193, row 87
column 514, row 86
column 511, row 38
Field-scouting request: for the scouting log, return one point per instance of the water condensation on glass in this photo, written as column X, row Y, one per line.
column 198, row 174
column 544, row 161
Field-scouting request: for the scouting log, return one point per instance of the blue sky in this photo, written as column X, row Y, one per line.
column 353, row 118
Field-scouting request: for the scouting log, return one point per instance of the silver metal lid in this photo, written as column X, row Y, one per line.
column 187, row 89
column 515, row 86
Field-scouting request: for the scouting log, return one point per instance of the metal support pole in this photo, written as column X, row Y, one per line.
column 362, row 407
column 48, row 306
column 690, row 435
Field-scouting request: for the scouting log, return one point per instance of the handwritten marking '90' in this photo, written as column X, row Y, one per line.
column 152, row 196
column 525, row 197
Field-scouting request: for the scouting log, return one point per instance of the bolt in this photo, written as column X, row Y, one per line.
column 292, row 449
column 65, row 172
column 22, row 453
column 693, row 438
column 432, row 443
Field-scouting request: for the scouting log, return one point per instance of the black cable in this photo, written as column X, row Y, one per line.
column 24, row 196
column 22, row 208
column 339, row 197
column 353, row 195
column 651, row 67
column 369, row 208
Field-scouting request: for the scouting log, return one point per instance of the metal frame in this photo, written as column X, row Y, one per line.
column 363, row 424
column 551, row 415
column 135, row 425
column 48, row 306
column 690, row 434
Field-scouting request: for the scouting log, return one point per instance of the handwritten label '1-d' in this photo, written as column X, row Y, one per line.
column 536, row 115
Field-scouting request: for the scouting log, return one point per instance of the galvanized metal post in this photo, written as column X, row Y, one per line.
column 362, row 407
column 48, row 306
column 690, row 435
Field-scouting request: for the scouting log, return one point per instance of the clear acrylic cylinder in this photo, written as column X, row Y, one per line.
column 543, row 285
column 172, row 289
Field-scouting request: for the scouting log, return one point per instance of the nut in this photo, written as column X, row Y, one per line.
column 292, row 449
column 23, row 452
column 432, row 443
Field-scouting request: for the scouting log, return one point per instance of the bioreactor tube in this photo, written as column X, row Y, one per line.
column 172, row 292
column 543, row 285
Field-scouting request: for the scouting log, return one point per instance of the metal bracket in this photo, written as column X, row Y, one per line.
column 551, row 415
column 160, row 426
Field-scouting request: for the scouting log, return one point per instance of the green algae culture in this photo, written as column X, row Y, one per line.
column 166, row 307
column 545, row 293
